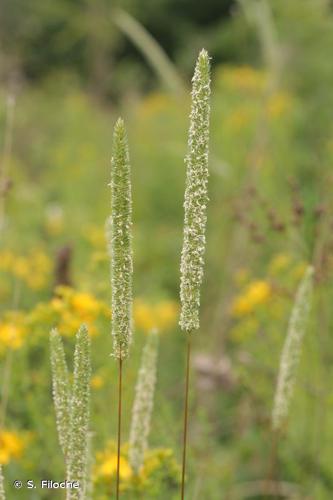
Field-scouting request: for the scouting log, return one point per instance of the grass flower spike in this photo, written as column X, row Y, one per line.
column 79, row 416
column 2, row 489
column 121, row 259
column 196, row 197
column 292, row 349
column 143, row 403
column 121, row 244
column 61, row 388
column 195, row 205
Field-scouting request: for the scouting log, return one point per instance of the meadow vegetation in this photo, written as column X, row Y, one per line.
column 269, row 217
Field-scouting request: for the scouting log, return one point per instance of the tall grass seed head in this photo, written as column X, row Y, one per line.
column 143, row 403
column 292, row 350
column 196, row 196
column 121, row 243
column 79, row 415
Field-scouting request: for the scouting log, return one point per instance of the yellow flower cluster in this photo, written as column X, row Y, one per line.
column 282, row 274
column 106, row 465
column 255, row 294
column 33, row 269
column 12, row 445
column 156, row 460
column 12, row 331
column 68, row 310
column 162, row 315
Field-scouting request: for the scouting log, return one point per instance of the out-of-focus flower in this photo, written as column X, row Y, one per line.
column 257, row 293
column 85, row 305
column 97, row 381
column 33, row 269
column 159, row 469
column 106, row 464
column 12, row 445
column 12, row 331
column 162, row 315
column 67, row 311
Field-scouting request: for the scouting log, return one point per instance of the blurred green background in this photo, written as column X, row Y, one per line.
column 67, row 70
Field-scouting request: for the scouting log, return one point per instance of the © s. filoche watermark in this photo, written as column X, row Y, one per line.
column 46, row 484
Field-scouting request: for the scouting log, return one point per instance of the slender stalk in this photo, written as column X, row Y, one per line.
column 187, row 384
column 119, row 422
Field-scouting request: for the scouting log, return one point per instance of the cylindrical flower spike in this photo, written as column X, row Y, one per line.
column 196, row 196
column 2, row 489
column 121, row 243
column 143, row 403
column 292, row 349
column 79, row 416
column 60, row 388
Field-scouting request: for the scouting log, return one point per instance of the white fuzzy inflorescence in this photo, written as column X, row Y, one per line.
column 143, row 403
column 292, row 349
column 121, row 243
column 196, row 197
column 2, row 489
column 79, row 416
column 60, row 388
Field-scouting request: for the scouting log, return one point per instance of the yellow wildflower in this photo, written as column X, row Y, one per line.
column 57, row 304
column 69, row 323
column 154, row 459
column 12, row 331
column 241, row 306
column 33, row 269
column 166, row 313
column 256, row 293
column 143, row 316
column 64, row 292
column 11, row 446
column 108, row 466
column 85, row 304
column 97, row 381
column 162, row 315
